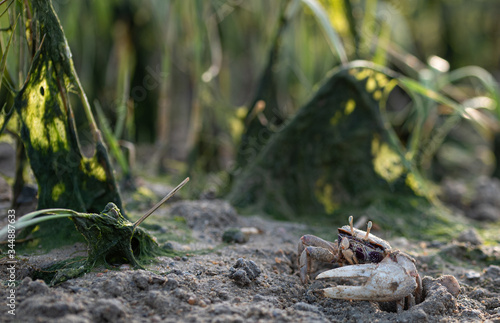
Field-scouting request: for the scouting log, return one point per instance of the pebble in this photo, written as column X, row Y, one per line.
column 125, row 267
column 234, row 235
column 244, row 272
column 492, row 271
column 451, row 284
column 484, row 212
column 168, row 246
column 141, row 280
column 223, row 295
column 472, row 275
column 109, row 310
column 170, row 284
column 470, row 236
column 114, row 287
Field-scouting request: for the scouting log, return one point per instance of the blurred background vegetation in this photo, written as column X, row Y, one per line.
column 174, row 80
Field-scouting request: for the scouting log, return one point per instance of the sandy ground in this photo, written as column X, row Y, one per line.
column 254, row 281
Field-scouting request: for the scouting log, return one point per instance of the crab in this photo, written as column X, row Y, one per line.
column 390, row 274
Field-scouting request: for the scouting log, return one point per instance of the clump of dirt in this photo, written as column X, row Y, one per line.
column 249, row 282
column 244, row 272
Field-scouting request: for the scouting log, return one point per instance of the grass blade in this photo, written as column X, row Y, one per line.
column 29, row 219
column 114, row 146
column 3, row 63
column 331, row 35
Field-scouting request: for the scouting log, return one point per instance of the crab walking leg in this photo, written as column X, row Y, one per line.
column 387, row 281
column 313, row 253
column 314, row 248
column 310, row 240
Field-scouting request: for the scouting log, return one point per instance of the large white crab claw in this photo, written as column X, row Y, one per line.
column 393, row 279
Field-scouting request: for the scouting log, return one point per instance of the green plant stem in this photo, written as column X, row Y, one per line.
column 28, row 222
column 86, row 107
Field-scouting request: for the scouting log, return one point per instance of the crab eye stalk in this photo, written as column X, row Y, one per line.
column 352, row 225
column 368, row 228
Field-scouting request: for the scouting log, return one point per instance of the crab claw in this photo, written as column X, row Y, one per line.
column 393, row 279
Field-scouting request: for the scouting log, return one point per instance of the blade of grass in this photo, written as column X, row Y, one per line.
column 3, row 63
column 29, row 219
column 331, row 35
column 418, row 91
column 412, row 85
column 110, row 138
column 154, row 208
column 368, row 28
column 479, row 73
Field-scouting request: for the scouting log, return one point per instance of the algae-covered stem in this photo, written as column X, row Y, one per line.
column 154, row 208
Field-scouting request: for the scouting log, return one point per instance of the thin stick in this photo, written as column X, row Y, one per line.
column 154, row 208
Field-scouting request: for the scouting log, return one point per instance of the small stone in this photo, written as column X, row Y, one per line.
column 191, row 300
column 109, row 310
column 159, row 280
column 484, row 212
column 472, row 275
column 141, row 280
column 156, row 300
column 125, row 267
column 438, row 299
column 234, row 235
column 223, row 295
column 180, row 293
column 240, row 277
column 451, row 284
column 170, row 283
column 202, row 303
column 244, row 272
column 168, row 246
column 472, row 315
column 478, row 293
column 114, row 287
column 470, row 236
column 492, row 271
column 487, row 191
column 453, row 192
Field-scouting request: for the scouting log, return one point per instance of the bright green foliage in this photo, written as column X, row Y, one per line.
column 65, row 177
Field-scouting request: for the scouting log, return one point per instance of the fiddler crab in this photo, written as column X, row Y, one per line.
column 390, row 274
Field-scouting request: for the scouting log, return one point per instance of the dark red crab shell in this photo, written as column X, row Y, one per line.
column 372, row 250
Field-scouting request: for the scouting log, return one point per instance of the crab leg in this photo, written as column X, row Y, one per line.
column 314, row 248
column 387, row 281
